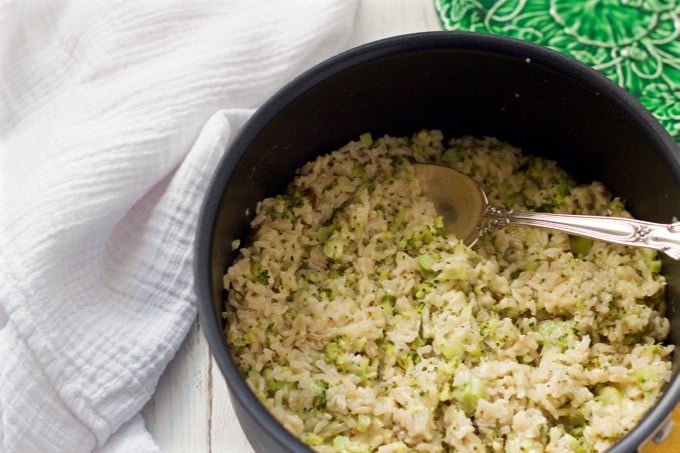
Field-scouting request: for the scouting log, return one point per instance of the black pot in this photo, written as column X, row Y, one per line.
column 460, row 83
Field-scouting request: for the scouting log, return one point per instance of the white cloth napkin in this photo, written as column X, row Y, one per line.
column 113, row 115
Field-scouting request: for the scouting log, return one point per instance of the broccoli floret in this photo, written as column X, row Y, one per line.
column 356, row 364
column 459, row 271
column 470, row 394
column 609, row 395
column 574, row 424
column 343, row 444
column 334, row 247
column 311, row 439
column 426, row 261
column 387, row 303
column 651, row 259
column 555, row 334
column 319, row 401
column 422, row 289
column 258, row 273
column 559, row 192
column 390, row 352
column 366, row 139
column 451, row 349
column 332, row 351
column 645, row 377
column 408, row 361
column 580, row 246
column 327, row 293
column 275, row 385
column 322, row 234
column 290, row 201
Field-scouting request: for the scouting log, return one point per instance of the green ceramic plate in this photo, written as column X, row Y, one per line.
column 636, row 43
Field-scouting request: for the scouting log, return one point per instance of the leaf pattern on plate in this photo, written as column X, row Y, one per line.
column 636, row 43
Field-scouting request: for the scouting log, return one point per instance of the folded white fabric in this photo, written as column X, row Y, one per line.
column 113, row 115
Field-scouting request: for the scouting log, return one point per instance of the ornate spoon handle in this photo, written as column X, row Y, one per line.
column 636, row 233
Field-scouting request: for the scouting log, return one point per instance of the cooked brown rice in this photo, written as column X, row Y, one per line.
column 362, row 327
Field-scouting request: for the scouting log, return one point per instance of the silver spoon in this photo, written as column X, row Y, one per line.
column 465, row 209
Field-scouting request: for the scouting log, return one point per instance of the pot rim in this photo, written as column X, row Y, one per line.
column 335, row 65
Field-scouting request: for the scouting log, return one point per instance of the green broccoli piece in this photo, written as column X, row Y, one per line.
column 438, row 222
column 356, row 364
column 452, row 349
column 258, row 273
column 650, row 256
column 319, row 401
column 343, row 444
column 645, row 377
column 580, row 246
column 332, row 351
column 426, row 261
column 311, row 439
column 408, row 361
column 609, row 395
column 555, row 334
column 387, row 303
column 366, row 139
column 275, row 385
column 470, row 394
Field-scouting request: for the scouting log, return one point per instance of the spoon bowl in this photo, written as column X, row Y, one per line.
column 457, row 198
column 466, row 212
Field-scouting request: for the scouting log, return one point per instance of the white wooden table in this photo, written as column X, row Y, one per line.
column 191, row 411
